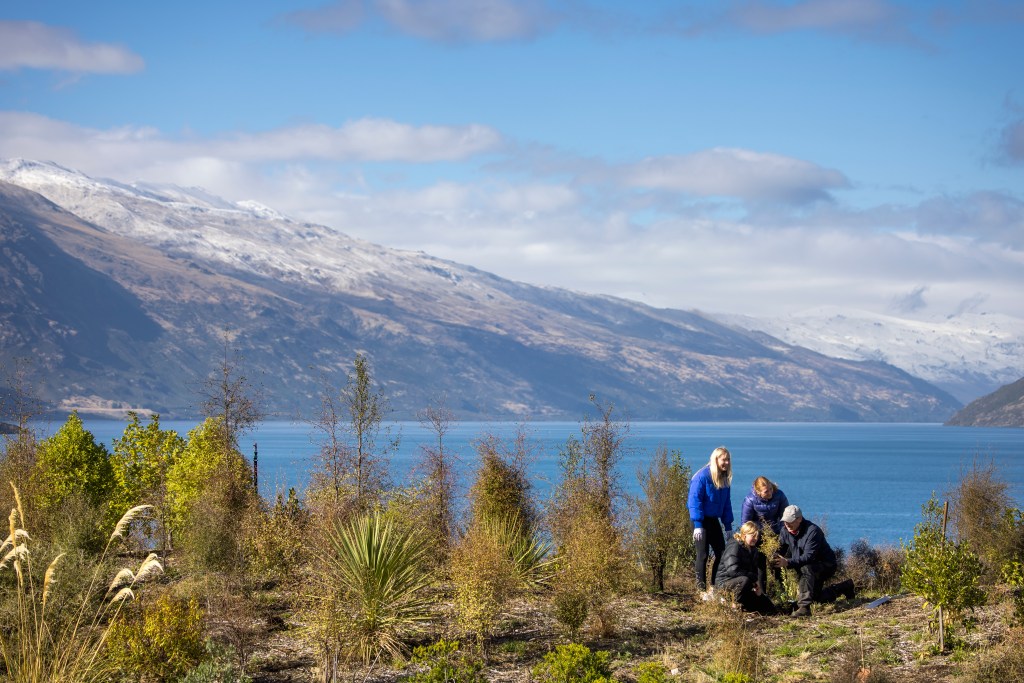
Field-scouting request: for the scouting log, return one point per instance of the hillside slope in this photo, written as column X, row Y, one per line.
column 297, row 301
column 1004, row 407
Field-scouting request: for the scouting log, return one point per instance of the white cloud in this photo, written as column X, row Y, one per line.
column 450, row 21
column 363, row 140
column 737, row 173
column 338, row 17
column 762, row 16
column 465, row 20
column 1012, row 142
column 378, row 140
column 988, row 216
column 30, row 44
column 591, row 233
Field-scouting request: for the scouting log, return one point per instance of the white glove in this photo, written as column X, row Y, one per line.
column 698, row 534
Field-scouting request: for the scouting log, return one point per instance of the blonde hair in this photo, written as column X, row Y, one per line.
column 717, row 477
column 765, row 482
column 746, row 528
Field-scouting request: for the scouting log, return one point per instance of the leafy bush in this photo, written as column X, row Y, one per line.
column 209, row 481
column 574, row 664
column 272, row 544
column 140, row 461
column 944, row 573
column 444, row 664
column 984, row 517
column 737, row 652
column 484, row 576
column 591, row 553
column 571, row 609
column 651, row 672
column 162, row 641
column 502, row 488
column 874, row 569
column 73, row 472
column 663, row 523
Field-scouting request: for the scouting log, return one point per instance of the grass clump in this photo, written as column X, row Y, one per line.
column 44, row 645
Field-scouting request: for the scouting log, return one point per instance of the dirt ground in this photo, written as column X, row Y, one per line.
column 695, row 641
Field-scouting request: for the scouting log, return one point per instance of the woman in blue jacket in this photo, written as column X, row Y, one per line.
column 710, row 506
column 764, row 504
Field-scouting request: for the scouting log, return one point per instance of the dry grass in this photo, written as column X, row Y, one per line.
column 702, row 642
column 40, row 643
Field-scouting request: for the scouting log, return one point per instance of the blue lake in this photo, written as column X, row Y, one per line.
column 859, row 480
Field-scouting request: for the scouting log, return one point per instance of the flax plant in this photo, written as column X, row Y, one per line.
column 41, row 646
column 374, row 595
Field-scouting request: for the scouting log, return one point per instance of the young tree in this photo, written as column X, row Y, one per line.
column 663, row 525
column 603, row 450
column 944, row 573
column 583, row 521
column 208, row 483
column 502, row 491
column 439, row 475
column 352, row 468
column 141, row 460
column 366, row 412
column 18, row 407
column 230, row 397
column 70, row 468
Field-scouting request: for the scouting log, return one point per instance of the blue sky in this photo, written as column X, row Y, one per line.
column 752, row 156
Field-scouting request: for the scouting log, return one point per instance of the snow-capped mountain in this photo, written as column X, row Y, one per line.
column 967, row 354
column 129, row 294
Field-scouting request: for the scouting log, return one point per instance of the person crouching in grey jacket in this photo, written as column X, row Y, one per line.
column 802, row 547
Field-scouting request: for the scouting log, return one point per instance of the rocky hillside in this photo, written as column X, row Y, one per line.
column 1004, row 407
column 128, row 296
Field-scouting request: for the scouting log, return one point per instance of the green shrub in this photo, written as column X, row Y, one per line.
column 651, row 672
column 664, row 528
column 162, row 641
column 444, row 664
column 273, row 546
column 944, row 573
column 484, row 577
column 571, row 609
column 218, row 666
column 502, row 488
column 574, row 664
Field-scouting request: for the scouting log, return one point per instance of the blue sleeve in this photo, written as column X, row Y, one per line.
column 783, row 503
column 694, row 500
column 747, row 513
column 727, row 512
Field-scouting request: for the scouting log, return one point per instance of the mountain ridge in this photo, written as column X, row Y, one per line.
column 298, row 300
column 1004, row 407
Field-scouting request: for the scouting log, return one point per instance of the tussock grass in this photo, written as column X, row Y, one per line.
column 44, row 646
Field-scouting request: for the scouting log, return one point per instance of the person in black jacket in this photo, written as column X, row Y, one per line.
column 743, row 571
column 802, row 546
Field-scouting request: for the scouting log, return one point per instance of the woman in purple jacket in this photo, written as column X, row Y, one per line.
column 764, row 504
column 710, row 506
